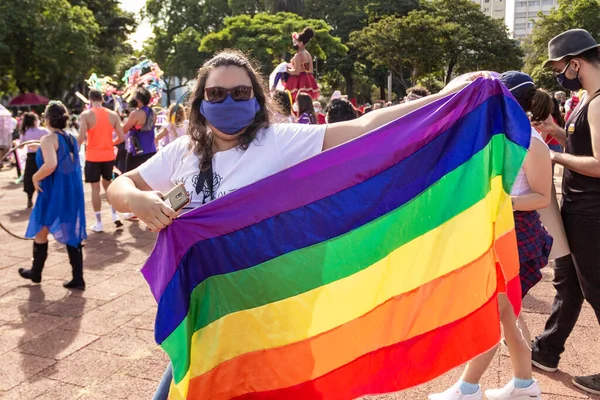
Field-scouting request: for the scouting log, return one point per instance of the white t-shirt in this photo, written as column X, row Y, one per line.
column 521, row 186
column 275, row 148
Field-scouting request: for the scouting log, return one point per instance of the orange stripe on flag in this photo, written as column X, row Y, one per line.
column 422, row 358
column 406, row 316
column 507, row 259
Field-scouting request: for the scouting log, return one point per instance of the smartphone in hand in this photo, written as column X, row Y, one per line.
column 177, row 198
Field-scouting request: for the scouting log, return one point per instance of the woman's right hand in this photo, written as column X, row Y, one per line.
column 547, row 127
column 152, row 210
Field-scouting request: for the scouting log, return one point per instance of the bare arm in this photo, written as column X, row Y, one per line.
column 48, row 145
column 549, row 127
column 83, row 127
column 130, row 193
column 585, row 165
column 343, row 132
column 123, row 189
column 538, row 169
column 163, row 132
column 118, row 129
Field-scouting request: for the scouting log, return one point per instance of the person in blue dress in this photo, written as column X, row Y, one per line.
column 59, row 208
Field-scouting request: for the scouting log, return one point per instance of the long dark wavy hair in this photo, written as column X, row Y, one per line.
column 200, row 132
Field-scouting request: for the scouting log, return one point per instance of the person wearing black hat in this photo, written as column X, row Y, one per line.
column 575, row 61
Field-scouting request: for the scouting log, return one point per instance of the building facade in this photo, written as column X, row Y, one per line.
column 517, row 14
column 492, row 8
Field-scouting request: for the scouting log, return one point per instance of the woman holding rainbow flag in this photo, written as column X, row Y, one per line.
column 232, row 142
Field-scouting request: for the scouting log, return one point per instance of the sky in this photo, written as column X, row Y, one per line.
column 144, row 29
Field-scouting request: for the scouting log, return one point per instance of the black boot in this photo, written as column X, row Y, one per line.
column 40, row 253
column 76, row 260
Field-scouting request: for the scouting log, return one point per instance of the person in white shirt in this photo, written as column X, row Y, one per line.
column 175, row 127
column 232, row 143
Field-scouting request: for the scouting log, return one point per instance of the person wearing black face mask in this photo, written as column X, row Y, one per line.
column 575, row 61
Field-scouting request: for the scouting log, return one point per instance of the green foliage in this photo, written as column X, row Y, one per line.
column 48, row 44
column 293, row 6
column 250, row 7
column 267, row 37
column 172, row 17
column 177, row 55
column 115, row 25
column 51, row 46
column 377, row 9
column 409, row 47
column 570, row 14
column 347, row 16
column 178, row 27
column 447, row 37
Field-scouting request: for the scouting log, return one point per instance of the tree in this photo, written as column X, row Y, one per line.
column 51, row 46
column 268, row 37
column 48, row 44
column 347, row 16
column 409, row 47
column 448, row 37
column 475, row 41
column 250, row 7
column 178, row 26
column 115, row 25
column 178, row 56
column 172, row 17
column 377, row 9
column 570, row 14
column 293, row 6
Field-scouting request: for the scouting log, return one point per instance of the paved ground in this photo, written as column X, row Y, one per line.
column 98, row 344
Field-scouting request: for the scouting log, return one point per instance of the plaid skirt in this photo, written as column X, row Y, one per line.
column 535, row 244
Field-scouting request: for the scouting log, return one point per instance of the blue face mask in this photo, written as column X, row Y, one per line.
column 230, row 116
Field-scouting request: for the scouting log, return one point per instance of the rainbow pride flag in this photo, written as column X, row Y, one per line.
column 370, row 268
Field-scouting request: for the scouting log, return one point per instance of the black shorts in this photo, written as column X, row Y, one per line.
column 94, row 170
column 132, row 162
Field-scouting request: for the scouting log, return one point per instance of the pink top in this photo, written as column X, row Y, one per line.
column 33, row 134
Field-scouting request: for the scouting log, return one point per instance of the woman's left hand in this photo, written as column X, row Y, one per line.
column 459, row 84
column 36, row 183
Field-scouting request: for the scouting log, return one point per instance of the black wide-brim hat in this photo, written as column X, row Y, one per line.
column 570, row 43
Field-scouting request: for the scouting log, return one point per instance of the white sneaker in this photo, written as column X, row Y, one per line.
column 97, row 227
column 510, row 392
column 454, row 393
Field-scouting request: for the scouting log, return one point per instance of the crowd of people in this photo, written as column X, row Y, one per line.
column 237, row 131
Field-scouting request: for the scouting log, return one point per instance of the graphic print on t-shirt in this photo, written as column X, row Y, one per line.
column 201, row 192
column 203, row 187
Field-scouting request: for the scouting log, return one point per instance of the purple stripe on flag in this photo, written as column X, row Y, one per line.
column 365, row 156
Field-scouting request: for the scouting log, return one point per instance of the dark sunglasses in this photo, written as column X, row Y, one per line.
column 217, row 94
